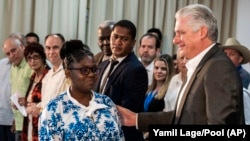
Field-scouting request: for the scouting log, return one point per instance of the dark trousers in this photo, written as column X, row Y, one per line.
column 18, row 135
column 6, row 134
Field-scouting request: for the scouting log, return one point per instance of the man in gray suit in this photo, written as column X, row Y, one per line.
column 212, row 93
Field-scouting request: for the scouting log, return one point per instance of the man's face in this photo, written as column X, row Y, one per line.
column 181, row 62
column 31, row 39
column 53, row 45
column 186, row 38
column 13, row 51
column 234, row 56
column 147, row 50
column 104, row 40
column 121, row 42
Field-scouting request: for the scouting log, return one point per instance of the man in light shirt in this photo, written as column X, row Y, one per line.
column 148, row 50
column 54, row 80
column 6, row 113
column 212, row 93
column 13, row 48
column 175, row 83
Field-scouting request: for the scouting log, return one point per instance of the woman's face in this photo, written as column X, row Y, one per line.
column 35, row 61
column 160, row 70
column 82, row 77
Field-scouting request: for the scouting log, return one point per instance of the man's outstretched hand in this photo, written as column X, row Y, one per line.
column 128, row 117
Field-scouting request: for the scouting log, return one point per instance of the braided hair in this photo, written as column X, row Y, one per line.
column 74, row 51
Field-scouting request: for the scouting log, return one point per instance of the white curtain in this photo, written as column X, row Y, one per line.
column 68, row 17
column 146, row 14
column 79, row 19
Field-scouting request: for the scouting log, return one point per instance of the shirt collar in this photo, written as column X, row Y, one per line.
column 22, row 64
column 150, row 66
column 120, row 59
column 193, row 63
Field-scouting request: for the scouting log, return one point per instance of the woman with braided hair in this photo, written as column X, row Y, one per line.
column 80, row 113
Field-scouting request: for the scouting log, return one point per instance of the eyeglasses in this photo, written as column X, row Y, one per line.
column 35, row 57
column 86, row 70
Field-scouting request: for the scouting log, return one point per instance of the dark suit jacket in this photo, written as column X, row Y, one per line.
column 98, row 58
column 127, row 87
column 213, row 96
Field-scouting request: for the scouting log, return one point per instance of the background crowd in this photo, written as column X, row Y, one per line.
column 69, row 93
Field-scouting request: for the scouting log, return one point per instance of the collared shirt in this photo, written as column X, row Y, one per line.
column 20, row 78
column 191, row 65
column 107, row 70
column 51, row 85
column 6, row 113
column 172, row 92
column 150, row 69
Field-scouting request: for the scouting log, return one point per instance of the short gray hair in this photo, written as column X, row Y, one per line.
column 200, row 15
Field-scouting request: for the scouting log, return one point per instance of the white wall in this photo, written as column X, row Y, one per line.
column 243, row 23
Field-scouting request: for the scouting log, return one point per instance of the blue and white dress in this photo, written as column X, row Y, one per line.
column 65, row 119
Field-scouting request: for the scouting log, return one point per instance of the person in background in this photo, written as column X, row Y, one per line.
column 35, row 56
column 18, row 36
column 148, row 50
column 104, row 31
column 31, row 37
column 6, row 113
column 157, row 32
column 20, row 75
column 175, row 63
column 203, row 100
column 127, row 83
column 175, row 83
column 54, row 81
column 239, row 55
column 162, row 74
column 80, row 113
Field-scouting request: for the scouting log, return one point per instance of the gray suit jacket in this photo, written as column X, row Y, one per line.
column 213, row 96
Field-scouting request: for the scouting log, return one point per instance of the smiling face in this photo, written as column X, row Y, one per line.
column 190, row 37
column 53, row 45
column 121, row 42
column 160, row 70
column 82, row 83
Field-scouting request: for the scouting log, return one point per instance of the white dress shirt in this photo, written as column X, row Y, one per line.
column 191, row 65
column 172, row 92
column 51, row 85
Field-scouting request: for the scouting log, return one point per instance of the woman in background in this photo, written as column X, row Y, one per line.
column 162, row 74
column 36, row 58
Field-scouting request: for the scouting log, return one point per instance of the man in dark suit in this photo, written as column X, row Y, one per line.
column 127, row 83
column 212, row 93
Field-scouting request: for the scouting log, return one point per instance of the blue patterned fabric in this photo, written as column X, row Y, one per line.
column 66, row 119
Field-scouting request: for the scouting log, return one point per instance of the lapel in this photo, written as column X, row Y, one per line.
column 212, row 51
column 116, row 74
column 103, row 66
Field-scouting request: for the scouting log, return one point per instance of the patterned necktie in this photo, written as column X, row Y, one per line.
column 113, row 63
